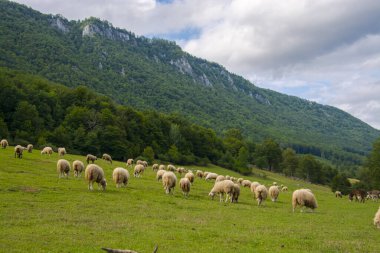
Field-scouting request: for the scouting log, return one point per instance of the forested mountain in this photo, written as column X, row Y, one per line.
column 156, row 74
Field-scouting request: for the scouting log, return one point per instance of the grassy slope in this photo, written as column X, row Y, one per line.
column 41, row 213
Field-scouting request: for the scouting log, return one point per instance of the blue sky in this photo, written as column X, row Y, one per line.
column 325, row 51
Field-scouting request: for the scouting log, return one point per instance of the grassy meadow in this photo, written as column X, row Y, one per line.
column 41, row 213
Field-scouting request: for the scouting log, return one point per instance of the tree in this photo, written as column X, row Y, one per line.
column 242, row 160
column 174, row 154
column 268, row 153
column 148, row 153
column 373, row 163
column 340, row 183
column 289, row 162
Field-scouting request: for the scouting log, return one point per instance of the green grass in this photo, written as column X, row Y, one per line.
column 41, row 213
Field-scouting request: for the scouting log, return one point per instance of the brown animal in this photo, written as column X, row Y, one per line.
column 358, row 195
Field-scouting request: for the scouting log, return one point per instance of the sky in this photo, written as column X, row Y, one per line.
column 327, row 51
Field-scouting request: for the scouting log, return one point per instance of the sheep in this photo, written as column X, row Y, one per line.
column 78, row 167
column 145, row 163
column 211, row 176
column 120, row 176
column 233, row 179
column 338, row 194
column 181, row 170
column 159, row 174
column 205, row 174
column 139, row 170
column 130, row 162
column 18, row 151
column 161, row 167
column 170, row 168
column 107, row 157
column 61, row 151
column 261, row 194
column 29, row 148
column 221, row 188
column 253, row 186
column 374, row 195
column 169, row 181
column 199, row 173
column 190, row 176
column 246, row 183
column 155, row 167
column 274, row 192
column 63, row 168
column 185, row 185
column 304, row 197
column 47, row 151
column 274, row 183
column 239, row 180
column 4, row 143
column 236, row 193
column 220, row 178
column 228, row 177
column 376, row 220
column 284, row 189
column 91, row 158
column 94, row 173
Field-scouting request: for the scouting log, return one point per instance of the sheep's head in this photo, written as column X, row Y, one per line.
column 212, row 194
column 103, row 183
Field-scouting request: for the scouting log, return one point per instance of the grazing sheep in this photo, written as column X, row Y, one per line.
column 274, row 192
column 240, row 180
column 376, row 220
column 161, row 167
column 47, row 151
column 94, row 173
column 274, row 183
column 190, row 176
column 304, row 197
column 228, row 177
column 185, row 185
column 145, row 163
column 29, row 148
column 246, row 183
column 18, row 151
column 374, row 195
column 358, row 194
column 338, row 194
column 170, row 167
column 205, row 174
column 107, row 157
column 261, row 194
column 61, row 151
column 63, row 168
column 91, row 158
column 220, row 178
column 78, row 167
column 236, row 193
column 155, row 167
column 233, row 179
column 130, row 162
column 139, row 162
column 221, row 188
column 284, row 189
column 253, row 186
column 139, row 170
column 4, row 143
column 169, row 181
column 120, row 176
column 159, row 174
column 199, row 173
column 181, row 170
column 211, row 176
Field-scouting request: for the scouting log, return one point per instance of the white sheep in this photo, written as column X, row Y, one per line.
column 29, row 147
column 199, row 173
column 261, row 194
column 4, row 143
column 120, row 176
column 94, row 173
column 155, row 167
column 169, row 181
column 47, row 151
column 228, row 177
column 376, row 219
column 161, row 167
column 205, row 174
column 145, row 163
column 221, row 188
column 236, row 193
column 139, row 170
column 304, row 197
column 274, row 192
column 284, row 189
column 63, row 168
column 211, row 176
column 240, row 180
column 220, row 178
column 78, row 167
column 185, row 185
column 170, row 167
column 190, row 176
column 181, row 170
column 91, row 158
column 274, row 183
column 159, row 174
column 253, row 186
column 61, row 151
column 338, row 194
column 130, row 162
column 107, row 157
column 19, row 150
column 246, row 183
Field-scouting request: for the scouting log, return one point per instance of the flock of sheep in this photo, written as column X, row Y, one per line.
column 225, row 186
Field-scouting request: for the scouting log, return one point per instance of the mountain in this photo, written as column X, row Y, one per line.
column 156, row 74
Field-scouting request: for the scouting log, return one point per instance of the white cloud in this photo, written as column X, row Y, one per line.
column 327, row 51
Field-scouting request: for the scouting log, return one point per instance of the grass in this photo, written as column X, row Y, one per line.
column 41, row 213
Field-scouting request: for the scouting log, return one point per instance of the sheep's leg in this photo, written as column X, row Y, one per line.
column 90, row 187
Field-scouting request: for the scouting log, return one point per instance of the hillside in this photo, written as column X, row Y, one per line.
column 41, row 213
column 156, row 74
